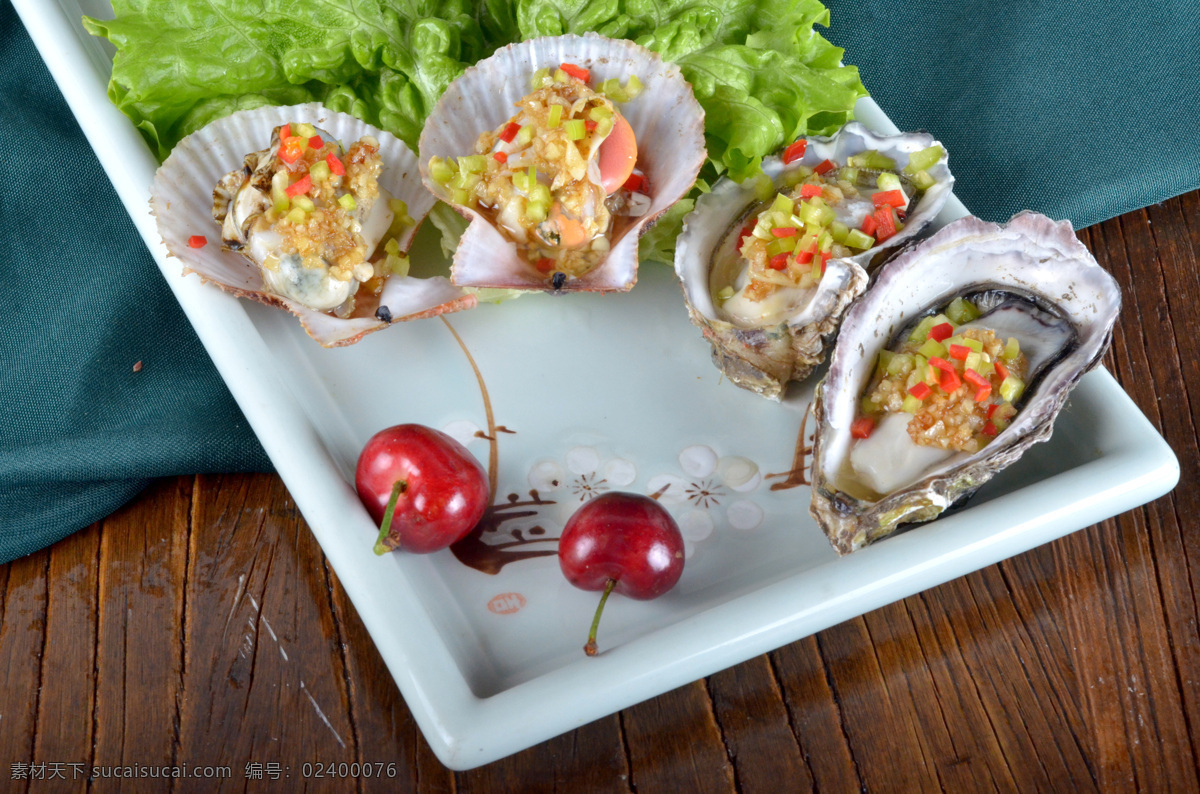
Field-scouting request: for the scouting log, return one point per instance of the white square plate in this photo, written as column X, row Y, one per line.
column 593, row 393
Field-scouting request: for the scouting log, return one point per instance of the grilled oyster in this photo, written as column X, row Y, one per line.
column 897, row 444
column 769, row 266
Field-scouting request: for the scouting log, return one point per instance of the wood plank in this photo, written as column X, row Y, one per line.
column 139, row 664
column 815, row 715
column 263, row 681
column 22, row 641
column 66, row 704
column 385, row 727
column 753, row 720
column 591, row 758
column 673, row 743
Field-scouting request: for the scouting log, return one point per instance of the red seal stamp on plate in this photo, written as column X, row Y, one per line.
column 506, row 603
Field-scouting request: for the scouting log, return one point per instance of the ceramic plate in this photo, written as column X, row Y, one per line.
column 565, row 397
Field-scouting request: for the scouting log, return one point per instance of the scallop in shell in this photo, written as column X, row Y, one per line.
column 1029, row 280
column 182, row 199
column 763, row 341
column 664, row 122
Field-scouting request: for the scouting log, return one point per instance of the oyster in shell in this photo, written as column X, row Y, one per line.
column 770, row 324
column 185, row 203
column 588, row 237
column 1031, row 280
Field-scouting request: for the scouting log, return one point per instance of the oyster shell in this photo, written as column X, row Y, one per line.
column 184, row 202
column 666, row 119
column 1039, row 282
column 789, row 336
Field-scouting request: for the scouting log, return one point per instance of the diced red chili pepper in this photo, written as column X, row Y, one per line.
column 285, row 132
column 510, row 132
column 960, row 352
column 885, row 223
column 778, row 262
column 784, row 231
column 862, row 427
column 942, row 364
column 794, row 152
column 335, row 165
column 971, row 376
column 921, row 390
column 500, row 157
column 578, row 72
column 197, row 241
column 992, row 410
column 804, row 257
column 810, row 191
column 289, row 154
column 589, row 125
column 315, row 142
column 894, row 198
column 635, row 181
column 982, row 393
column 300, row 186
column 545, row 264
column 989, row 429
column 941, row 332
column 1001, row 370
column 950, row 381
column 825, row 260
column 868, row 225
column 824, row 167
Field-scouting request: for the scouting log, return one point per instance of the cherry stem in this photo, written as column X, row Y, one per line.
column 398, row 488
column 590, row 649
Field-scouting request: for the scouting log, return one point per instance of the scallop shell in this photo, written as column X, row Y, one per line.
column 666, row 119
column 182, row 198
column 1032, row 257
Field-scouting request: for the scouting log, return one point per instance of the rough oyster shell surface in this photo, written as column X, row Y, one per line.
column 667, row 122
column 182, row 203
column 764, row 359
column 1031, row 256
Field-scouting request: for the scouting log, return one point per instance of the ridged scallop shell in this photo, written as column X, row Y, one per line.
column 1031, row 256
column 182, row 200
column 667, row 122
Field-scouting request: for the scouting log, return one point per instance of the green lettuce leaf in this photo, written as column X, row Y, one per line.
column 762, row 73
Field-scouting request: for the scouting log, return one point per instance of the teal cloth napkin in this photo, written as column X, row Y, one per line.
column 80, row 430
column 1079, row 110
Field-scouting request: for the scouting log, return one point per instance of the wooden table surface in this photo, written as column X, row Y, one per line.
column 201, row 625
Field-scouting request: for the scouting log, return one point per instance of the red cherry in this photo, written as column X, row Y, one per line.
column 439, row 488
column 624, row 542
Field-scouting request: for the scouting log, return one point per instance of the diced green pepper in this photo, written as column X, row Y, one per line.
column 974, row 361
column 473, row 163
column 319, row 171
column 926, row 158
column 525, row 136
column 764, row 188
column 782, row 204
column 873, row 160
column 856, row 239
column 901, row 364
column 840, row 231
column 921, row 332
column 962, row 311
column 923, row 180
column 575, row 129
column 633, row 87
column 348, row 203
column 535, row 211
column 888, row 181
column 725, row 293
column 911, row 404
column 1012, row 349
column 539, row 79
column 555, row 117
column 932, row 348
column 1011, row 388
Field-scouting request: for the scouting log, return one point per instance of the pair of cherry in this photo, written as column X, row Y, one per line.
column 427, row 491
